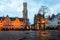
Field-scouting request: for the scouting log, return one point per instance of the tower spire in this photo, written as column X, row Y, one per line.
column 25, row 12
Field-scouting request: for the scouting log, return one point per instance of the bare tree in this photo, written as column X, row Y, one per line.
column 43, row 10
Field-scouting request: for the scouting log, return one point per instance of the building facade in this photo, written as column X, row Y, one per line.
column 39, row 22
column 54, row 22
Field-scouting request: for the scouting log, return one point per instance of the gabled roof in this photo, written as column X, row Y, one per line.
column 39, row 15
column 12, row 18
column 2, row 18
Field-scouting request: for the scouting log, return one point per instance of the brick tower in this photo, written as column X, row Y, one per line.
column 25, row 13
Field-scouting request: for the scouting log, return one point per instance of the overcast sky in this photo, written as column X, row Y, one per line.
column 14, row 8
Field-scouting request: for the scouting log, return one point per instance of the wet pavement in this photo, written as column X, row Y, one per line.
column 30, row 35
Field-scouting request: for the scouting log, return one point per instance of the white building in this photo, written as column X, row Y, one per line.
column 58, row 20
column 54, row 22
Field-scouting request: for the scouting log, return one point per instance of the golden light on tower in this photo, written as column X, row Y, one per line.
column 43, row 20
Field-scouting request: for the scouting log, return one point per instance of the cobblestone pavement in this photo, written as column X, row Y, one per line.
column 30, row 35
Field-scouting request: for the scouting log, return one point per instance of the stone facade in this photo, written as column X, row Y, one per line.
column 9, row 22
column 39, row 22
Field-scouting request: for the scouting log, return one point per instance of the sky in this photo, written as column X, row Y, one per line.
column 14, row 8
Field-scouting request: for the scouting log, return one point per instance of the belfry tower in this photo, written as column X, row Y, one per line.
column 25, row 13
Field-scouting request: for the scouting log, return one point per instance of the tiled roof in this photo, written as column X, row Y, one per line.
column 12, row 18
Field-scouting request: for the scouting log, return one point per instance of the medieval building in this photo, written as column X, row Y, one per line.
column 39, row 22
column 11, row 22
column 25, row 15
column 39, row 19
column 53, row 22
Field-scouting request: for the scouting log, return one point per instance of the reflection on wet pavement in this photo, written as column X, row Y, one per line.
column 49, row 35
column 30, row 35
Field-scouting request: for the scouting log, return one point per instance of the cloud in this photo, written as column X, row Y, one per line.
column 12, row 4
column 55, row 8
column 2, row 8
